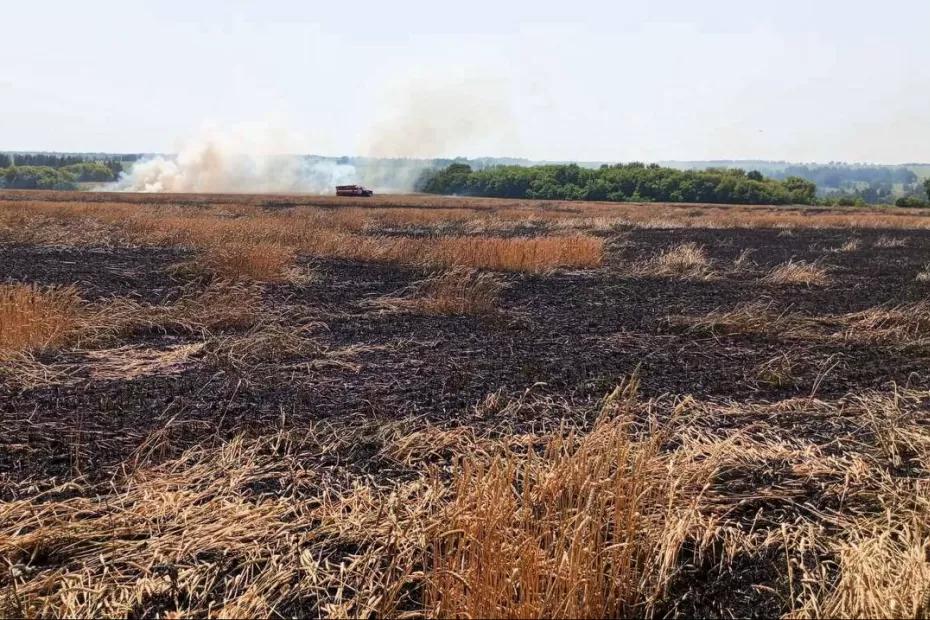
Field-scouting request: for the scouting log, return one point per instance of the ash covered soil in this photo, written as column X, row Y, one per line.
column 568, row 335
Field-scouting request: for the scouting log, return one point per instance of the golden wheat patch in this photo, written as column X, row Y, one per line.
column 33, row 319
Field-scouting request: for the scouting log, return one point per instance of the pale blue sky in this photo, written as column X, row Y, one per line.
column 675, row 79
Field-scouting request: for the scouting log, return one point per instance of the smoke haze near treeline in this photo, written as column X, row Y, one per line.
column 253, row 160
column 208, row 165
column 421, row 118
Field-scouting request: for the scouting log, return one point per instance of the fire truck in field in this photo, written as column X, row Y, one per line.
column 353, row 190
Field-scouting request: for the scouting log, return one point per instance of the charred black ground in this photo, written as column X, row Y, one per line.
column 571, row 335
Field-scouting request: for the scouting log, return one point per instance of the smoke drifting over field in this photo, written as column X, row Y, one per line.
column 436, row 117
column 420, row 119
column 234, row 162
column 220, row 163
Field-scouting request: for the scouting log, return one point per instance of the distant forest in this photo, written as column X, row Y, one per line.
column 839, row 183
column 725, row 181
column 870, row 184
column 634, row 182
column 55, row 171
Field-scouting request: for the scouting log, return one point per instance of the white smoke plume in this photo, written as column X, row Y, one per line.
column 420, row 118
column 237, row 161
column 437, row 114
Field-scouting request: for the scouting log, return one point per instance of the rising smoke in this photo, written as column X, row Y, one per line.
column 419, row 119
column 235, row 161
column 430, row 116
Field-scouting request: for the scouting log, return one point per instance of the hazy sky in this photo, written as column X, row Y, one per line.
column 676, row 79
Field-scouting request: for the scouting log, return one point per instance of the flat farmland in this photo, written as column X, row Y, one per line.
column 247, row 405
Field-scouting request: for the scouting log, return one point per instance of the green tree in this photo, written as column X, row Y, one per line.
column 37, row 177
column 90, row 172
column 801, row 190
column 634, row 181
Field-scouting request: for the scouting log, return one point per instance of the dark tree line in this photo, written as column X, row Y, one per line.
column 46, row 177
column 633, row 182
column 52, row 171
column 46, row 159
column 36, row 177
column 49, row 160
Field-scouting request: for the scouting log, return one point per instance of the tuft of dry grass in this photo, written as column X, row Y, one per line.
column 455, row 291
column 33, row 319
column 592, row 528
column 220, row 307
column 780, row 372
column 886, row 241
column 744, row 260
column 797, row 273
column 687, row 261
column 262, row 262
column 684, row 260
column 883, row 566
column 266, row 342
column 748, row 318
column 924, row 274
column 850, row 245
column 530, row 254
column 246, row 528
column 130, row 362
column 903, row 324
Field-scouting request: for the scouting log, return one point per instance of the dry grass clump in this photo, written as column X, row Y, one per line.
column 229, row 323
column 688, row 261
column 266, row 527
column 220, row 307
column 592, row 528
column 748, row 318
column 797, row 272
column 457, row 291
column 779, row 372
column 268, row 342
column 903, row 324
column 131, row 362
column 543, row 253
column 885, row 241
column 33, row 319
column 850, row 245
column 864, row 553
column 262, row 262
column 532, row 254
column 744, row 260
column 528, row 254
column 883, row 566
column 924, row 274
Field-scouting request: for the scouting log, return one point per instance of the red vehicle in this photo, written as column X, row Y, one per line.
column 353, row 190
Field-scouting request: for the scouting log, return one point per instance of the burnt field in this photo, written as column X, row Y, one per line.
column 280, row 405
